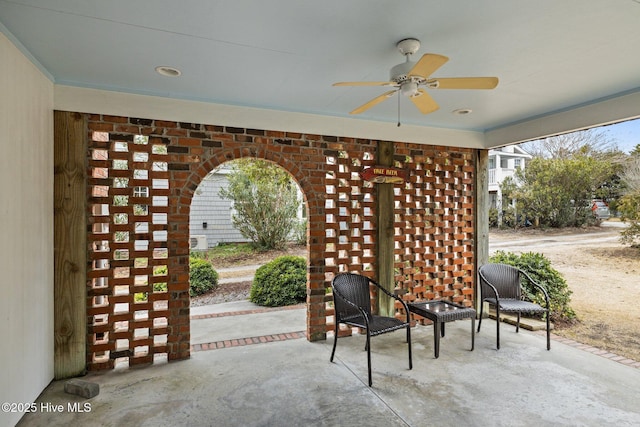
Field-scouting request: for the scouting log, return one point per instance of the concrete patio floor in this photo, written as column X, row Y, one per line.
column 258, row 370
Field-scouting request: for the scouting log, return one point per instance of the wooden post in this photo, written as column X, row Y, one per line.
column 70, row 251
column 482, row 215
column 385, row 235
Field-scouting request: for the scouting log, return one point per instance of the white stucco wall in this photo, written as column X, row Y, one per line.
column 26, row 229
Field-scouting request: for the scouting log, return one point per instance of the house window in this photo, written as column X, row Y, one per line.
column 504, row 163
column 517, row 163
column 492, row 163
column 140, row 191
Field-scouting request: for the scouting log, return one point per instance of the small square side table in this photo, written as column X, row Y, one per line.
column 440, row 312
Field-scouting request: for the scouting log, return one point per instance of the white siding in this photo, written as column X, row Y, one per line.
column 207, row 206
column 26, row 227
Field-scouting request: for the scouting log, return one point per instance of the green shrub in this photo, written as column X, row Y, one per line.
column 202, row 277
column 157, row 287
column 493, row 218
column 540, row 270
column 300, row 233
column 282, row 281
column 140, row 297
column 160, row 286
column 198, row 254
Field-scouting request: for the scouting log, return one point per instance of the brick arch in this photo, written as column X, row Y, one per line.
column 315, row 215
column 213, row 161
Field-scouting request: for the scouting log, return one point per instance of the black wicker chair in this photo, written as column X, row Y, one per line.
column 500, row 287
column 352, row 299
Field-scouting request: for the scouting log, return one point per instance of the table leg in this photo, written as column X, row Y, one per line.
column 436, row 339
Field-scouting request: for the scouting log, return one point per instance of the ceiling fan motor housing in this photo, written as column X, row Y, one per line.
column 400, row 72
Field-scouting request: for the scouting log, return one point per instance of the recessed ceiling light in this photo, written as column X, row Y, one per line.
column 462, row 111
column 168, row 71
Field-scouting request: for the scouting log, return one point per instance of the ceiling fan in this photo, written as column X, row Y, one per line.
column 408, row 77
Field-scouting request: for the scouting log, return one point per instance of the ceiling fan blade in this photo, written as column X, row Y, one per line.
column 364, row 84
column 375, row 101
column 428, row 64
column 425, row 103
column 467, row 83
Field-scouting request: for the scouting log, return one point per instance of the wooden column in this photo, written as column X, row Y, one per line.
column 70, row 251
column 482, row 214
column 385, row 242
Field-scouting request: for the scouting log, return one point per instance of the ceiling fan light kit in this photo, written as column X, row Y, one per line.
column 409, row 78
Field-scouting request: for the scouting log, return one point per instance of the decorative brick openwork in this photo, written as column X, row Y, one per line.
column 143, row 174
column 434, row 221
column 350, row 212
column 128, row 301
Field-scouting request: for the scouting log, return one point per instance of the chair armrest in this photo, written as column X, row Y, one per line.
column 538, row 286
column 394, row 296
column 486, row 282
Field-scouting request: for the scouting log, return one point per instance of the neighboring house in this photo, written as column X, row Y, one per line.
column 503, row 163
column 210, row 221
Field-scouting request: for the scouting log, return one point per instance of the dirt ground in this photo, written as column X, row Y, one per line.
column 603, row 275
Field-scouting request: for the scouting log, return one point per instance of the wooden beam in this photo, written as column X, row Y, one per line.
column 70, row 251
column 482, row 214
column 386, row 231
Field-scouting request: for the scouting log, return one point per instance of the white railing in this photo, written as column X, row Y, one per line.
column 492, row 177
column 496, row 176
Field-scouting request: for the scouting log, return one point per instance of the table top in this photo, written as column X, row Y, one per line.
column 440, row 308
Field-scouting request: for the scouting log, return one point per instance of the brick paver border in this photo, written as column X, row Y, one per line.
column 243, row 312
column 237, row 342
column 597, row 351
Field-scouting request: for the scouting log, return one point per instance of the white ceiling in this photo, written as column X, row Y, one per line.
column 551, row 56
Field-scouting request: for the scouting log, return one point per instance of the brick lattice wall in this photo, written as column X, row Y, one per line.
column 142, row 176
column 434, row 221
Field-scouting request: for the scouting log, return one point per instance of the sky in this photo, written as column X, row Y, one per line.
column 625, row 134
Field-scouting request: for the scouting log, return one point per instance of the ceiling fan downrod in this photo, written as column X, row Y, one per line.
column 398, row 109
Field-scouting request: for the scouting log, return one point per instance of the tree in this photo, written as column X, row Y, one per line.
column 265, row 200
column 629, row 205
column 629, row 208
column 566, row 173
column 589, row 142
column 556, row 192
column 631, row 174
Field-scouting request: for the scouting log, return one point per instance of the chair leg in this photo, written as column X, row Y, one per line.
column 480, row 320
column 442, row 329
column 498, row 326
column 436, row 340
column 335, row 341
column 409, row 344
column 369, row 357
column 518, row 323
column 548, row 333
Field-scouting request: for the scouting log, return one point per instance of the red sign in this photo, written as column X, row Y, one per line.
column 382, row 174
